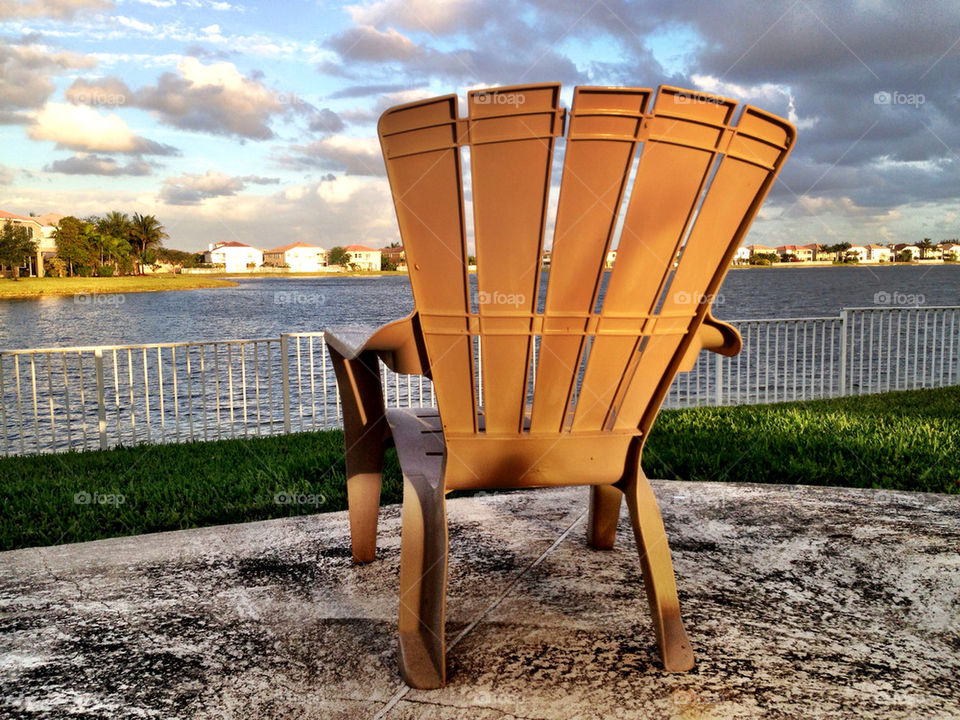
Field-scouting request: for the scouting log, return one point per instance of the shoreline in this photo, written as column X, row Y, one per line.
column 32, row 288
column 783, row 265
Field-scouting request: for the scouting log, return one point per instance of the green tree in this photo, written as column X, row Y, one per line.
column 924, row 246
column 113, row 231
column 16, row 246
column 338, row 256
column 75, row 244
column 146, row 235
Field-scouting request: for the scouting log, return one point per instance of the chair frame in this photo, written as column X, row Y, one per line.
column 509, row 440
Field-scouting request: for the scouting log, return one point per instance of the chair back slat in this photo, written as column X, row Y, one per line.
column 421, row 149
column 671, row 175
column 605, row 124
column 512, row 133
column 739, row 187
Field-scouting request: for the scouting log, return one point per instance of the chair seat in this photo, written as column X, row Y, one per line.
column 521, row 460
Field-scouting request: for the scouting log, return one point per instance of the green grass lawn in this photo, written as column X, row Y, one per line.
column 33, row 287
column 905, row 441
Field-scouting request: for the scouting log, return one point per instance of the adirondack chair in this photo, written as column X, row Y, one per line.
column 603, row 367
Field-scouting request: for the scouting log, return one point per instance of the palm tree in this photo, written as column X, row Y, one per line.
column 924, row 245
column 146, row 233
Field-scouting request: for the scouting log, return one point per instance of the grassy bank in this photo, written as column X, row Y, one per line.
column 35, row 287
column 905, row 441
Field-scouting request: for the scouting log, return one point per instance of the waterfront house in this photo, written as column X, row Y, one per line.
column 950, row 251
column 803, row 253
column 857, row 251
column 760, row 250
column 41, row 230
column 906, row 248
column 234, row 256
column 742, row 256
column 363, row 257
column 879, row 253
column 394, row 255
column 298, row 256
column 546, row 258
column 611, row 259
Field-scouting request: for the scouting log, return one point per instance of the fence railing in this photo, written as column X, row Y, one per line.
column 58, row 399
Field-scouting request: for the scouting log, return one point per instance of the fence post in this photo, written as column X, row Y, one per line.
column 719, row 357
column 101, row 404
column 843, row 352
column 285, row 381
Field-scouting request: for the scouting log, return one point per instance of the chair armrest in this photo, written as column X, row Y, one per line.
column 714, row 335
column 399, row 344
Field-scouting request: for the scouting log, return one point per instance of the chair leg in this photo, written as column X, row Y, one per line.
column 365, row 433
column 423, row 583
column 658, row 575
column 604, row 515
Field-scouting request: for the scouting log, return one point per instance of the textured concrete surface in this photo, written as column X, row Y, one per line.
column 800, row 603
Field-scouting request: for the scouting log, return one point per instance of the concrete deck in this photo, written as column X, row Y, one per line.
column 800, row 603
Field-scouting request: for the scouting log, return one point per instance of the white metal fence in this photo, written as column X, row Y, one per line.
column 57, row 399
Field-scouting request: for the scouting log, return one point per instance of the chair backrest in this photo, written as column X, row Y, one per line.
column 698, row 182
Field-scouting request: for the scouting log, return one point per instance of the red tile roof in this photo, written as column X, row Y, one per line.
column 4, row 215
column 359, row 248
column 232, row 243
column 284, row 248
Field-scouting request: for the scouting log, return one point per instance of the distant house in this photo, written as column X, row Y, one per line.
column 950, row 250
column 298, row 256
column 234, row 256
column 394, row 255
column 611, row 259
column 41, row 232
column 742, row 256
column 761, row 250
column 857, row 251
column 879, row 253
column 904, row 248
column 363, row 257
column 546, row 258
column 802, row 252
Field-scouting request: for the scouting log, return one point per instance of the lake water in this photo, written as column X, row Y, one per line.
column 269, row 306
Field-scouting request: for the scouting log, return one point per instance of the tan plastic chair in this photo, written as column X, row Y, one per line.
column 601, row 373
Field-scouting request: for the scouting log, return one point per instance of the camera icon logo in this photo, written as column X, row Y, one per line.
column 882, row 98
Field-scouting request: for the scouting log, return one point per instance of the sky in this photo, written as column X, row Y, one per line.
column 256, row 121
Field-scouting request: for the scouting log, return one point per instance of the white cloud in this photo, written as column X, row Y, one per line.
column 60, row 9
column 435, row 16
column 84, row 164
column 133, row 24
column 80, row 127
column 358, row 156
column 192, row 188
